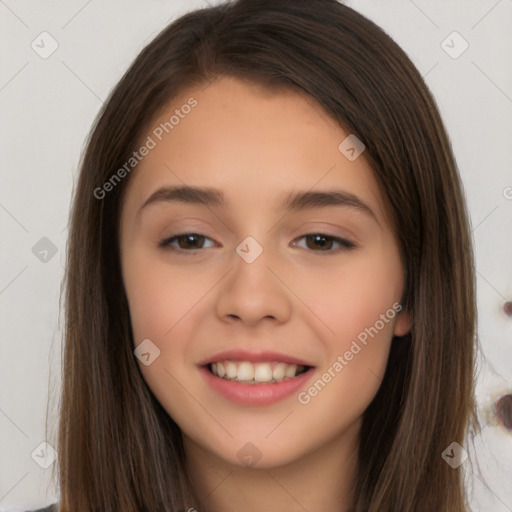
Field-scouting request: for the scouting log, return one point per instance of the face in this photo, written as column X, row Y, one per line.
column 282, row 270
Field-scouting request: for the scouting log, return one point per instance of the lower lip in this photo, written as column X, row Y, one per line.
column 255, row 394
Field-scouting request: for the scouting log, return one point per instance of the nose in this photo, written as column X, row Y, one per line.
column 253, row 291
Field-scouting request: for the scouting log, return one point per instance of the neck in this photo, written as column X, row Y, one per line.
column 315, row 482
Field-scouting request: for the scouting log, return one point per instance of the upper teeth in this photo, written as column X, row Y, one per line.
column 252, row 373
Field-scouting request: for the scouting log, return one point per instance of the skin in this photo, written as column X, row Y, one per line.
column 256, row 145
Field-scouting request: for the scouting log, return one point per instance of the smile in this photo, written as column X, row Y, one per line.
column 255, row 379
column 254, row 373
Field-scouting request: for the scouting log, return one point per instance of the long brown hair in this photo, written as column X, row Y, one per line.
column 118, row 448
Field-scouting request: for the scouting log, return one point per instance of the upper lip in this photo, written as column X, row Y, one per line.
column 253, row 356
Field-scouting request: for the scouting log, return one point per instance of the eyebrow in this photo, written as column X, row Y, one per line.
column 293, row 201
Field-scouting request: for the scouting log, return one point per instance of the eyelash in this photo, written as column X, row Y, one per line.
column 345, row 245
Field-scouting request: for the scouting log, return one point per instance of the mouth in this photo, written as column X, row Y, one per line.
column 247, row 372
column 255, row 379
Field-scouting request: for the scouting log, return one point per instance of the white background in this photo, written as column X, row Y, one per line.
column 48, row 105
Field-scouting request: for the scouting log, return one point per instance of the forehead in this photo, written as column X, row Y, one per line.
column 253, row 143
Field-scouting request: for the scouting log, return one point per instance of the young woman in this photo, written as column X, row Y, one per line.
column 270, row 286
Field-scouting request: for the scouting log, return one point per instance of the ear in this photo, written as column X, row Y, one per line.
column 403, row 323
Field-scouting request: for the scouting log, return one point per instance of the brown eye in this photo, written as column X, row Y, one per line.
column 190, row 241
column 320, row 242
column 185, row 241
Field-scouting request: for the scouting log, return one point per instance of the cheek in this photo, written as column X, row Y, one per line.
column 164, row 303
column 159, row 296
column 349, row 299
column 356, row 360
column 359, row 304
